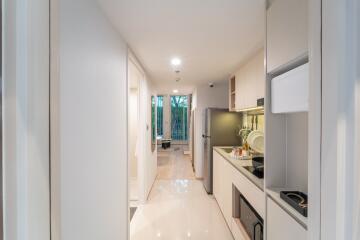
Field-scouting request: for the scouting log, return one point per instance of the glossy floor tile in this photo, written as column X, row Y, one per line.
column 179, row 209
column 174, row 164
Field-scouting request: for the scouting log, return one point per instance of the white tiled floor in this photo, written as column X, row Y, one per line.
column 179, row 209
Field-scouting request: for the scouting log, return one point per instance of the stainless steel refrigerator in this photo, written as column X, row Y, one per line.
column 221, row 127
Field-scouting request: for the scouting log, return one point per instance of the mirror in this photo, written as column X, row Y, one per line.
column 153, row 124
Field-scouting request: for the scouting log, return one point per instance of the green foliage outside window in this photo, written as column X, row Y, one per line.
column 179, row 118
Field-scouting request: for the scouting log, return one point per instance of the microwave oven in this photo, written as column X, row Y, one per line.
column 251, row 220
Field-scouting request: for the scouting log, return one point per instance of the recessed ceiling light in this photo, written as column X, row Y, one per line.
column 176, row 61
column 175, row 91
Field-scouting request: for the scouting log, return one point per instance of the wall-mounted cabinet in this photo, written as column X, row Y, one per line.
column 287, row 33
column 286, row 117
column 290, row 91
column 249, row 83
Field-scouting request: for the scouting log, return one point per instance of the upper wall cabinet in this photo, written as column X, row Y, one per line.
column 250, row 82
column 287, row 33
column 290, row 91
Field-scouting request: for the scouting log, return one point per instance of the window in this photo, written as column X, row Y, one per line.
column 160, row 115
column 153, row 119
column 179, row 118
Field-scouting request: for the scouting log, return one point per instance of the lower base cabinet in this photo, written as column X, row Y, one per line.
column 281, row 226
column 224, row 177
column 222, row 185
column 228, row 192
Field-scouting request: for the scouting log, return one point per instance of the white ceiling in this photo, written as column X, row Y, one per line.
column 212, row 37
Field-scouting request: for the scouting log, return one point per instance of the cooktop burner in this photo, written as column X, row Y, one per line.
column 258, row 173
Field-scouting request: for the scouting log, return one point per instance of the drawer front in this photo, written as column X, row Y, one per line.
column 253, row 194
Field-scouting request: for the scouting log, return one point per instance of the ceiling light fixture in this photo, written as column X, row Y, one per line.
column 176, row 62
column 175, row 91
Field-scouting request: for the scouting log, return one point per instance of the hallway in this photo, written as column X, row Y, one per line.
column 174, row 164
column 179, row 209
column 178, row 206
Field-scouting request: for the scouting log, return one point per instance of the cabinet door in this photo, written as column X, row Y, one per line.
column 227, row 191
column 281, row 226
column 216, row 178
column 239, row 86
column 259, row 78
column 287, row 35
column 218, row 171
column 250, row 82
column 290, row 91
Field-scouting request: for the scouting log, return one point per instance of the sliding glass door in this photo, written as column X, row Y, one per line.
column 179, row 118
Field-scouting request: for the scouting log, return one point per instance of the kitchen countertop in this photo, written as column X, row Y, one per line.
column 239, row 165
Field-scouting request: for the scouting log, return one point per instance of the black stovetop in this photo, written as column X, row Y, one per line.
column 258, row 173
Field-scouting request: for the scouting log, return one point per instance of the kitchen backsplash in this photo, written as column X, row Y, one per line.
column 247, row 120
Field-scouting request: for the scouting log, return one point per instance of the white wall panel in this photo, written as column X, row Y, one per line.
column 90, row 167
column 340, row 87
column 26, row 119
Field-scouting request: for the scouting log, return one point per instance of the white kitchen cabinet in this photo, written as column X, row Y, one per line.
column 252, row 193
column 250, row 82
column 227, row 191
column 217, row 179
column 290, row 91
column 222, row 185
column 225, row 175
column 287, row 33
column 282, row 226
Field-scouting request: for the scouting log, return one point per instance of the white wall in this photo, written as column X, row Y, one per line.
column 205, row 97
column 26, row 119
column 90, row 199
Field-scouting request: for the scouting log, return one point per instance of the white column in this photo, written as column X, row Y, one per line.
column 26, row 119
column 340, row 130
column 89, row 138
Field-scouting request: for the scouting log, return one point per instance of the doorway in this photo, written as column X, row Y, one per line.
column 134, row 76
column 179, row 119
